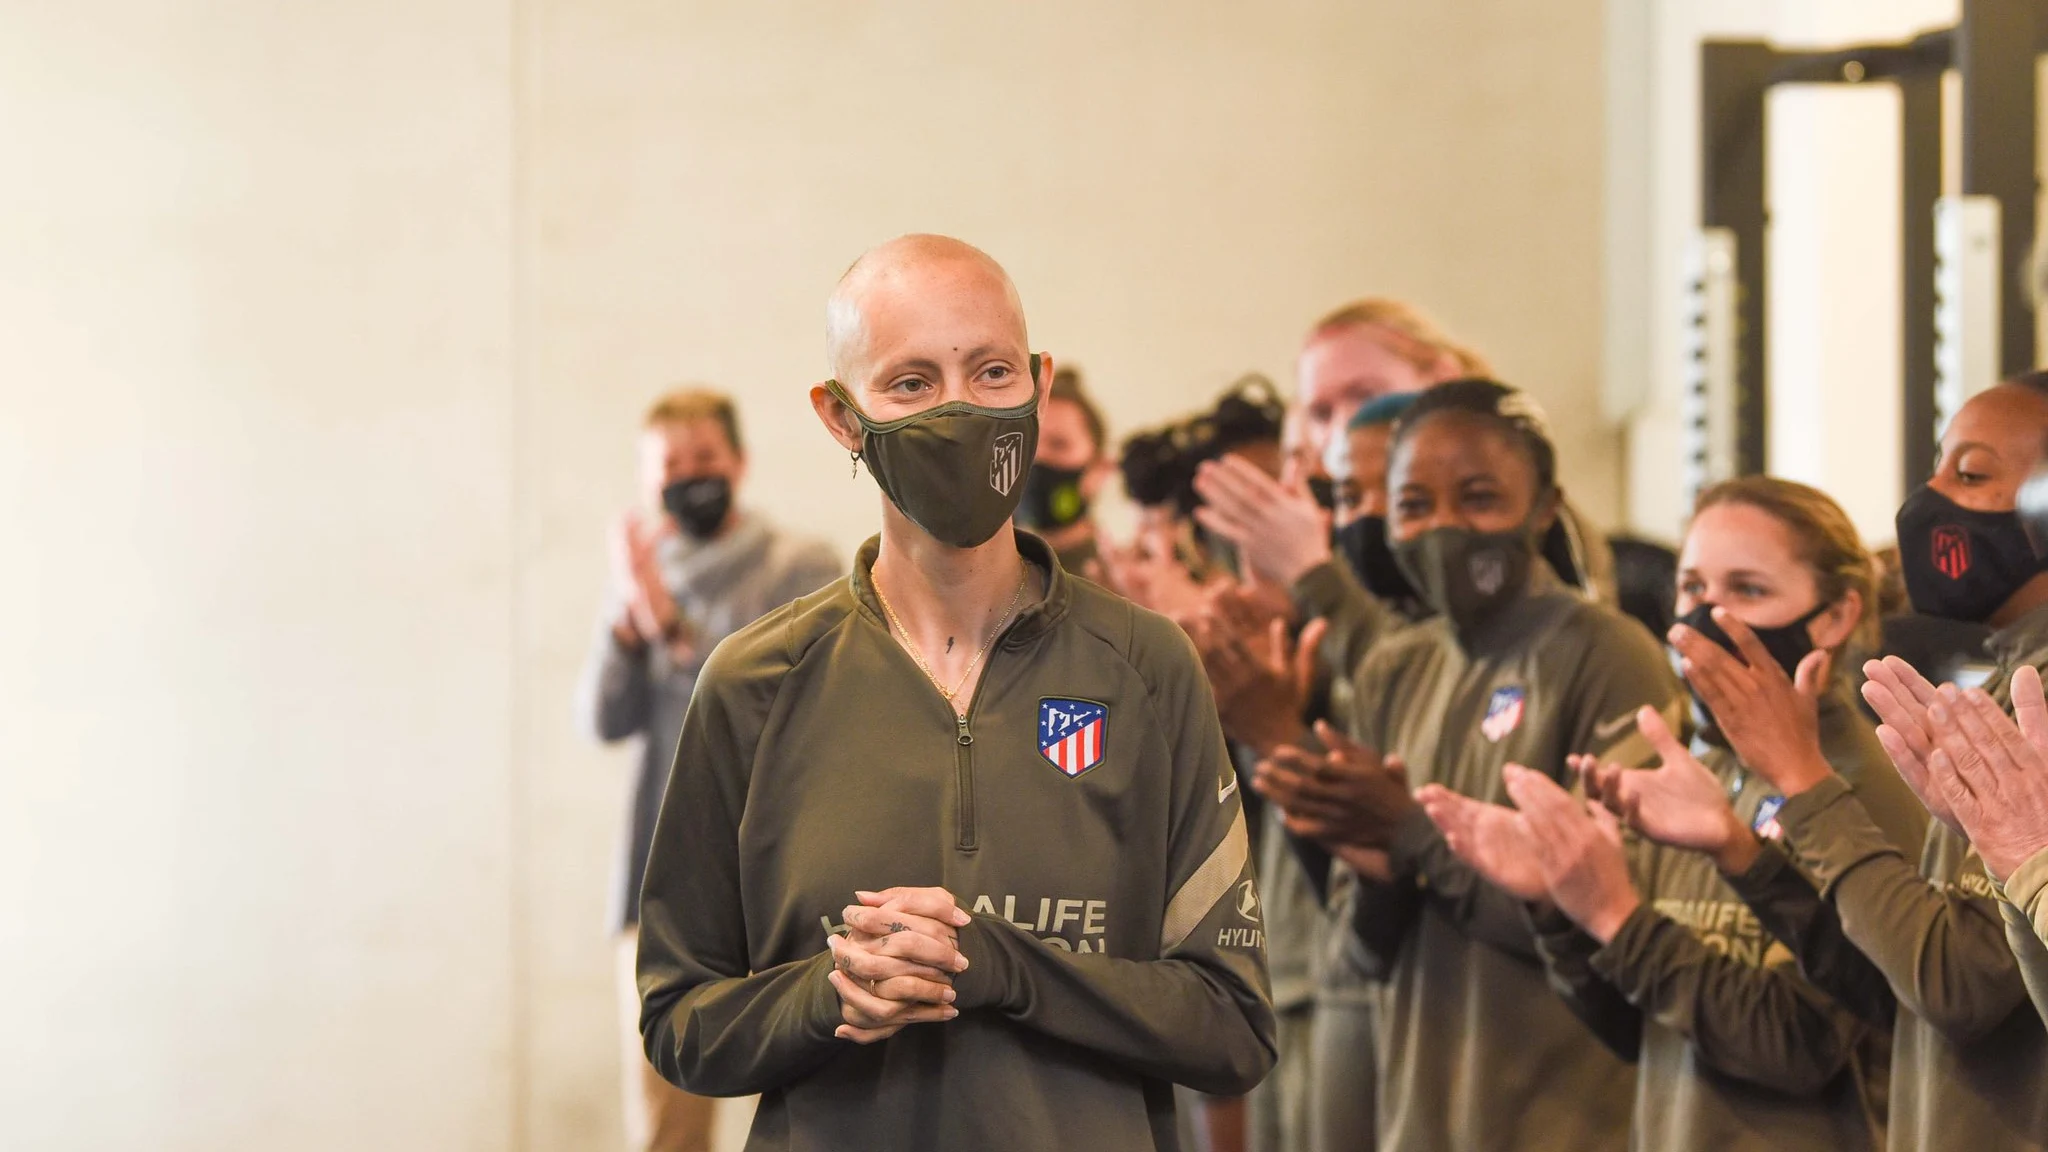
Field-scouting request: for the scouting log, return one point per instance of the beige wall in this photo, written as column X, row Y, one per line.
column 325, row 330
column 258, row 684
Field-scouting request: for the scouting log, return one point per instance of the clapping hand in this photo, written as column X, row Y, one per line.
column 1578, row 849
column 649, row 612
column 1493, row 839
column 1261, row 677
column 1277, row 526
column 1992, row 770
column 1348, row 797
column 1148, row 574
column 1680, row 804
column 1771, row 720
column 1902, row 698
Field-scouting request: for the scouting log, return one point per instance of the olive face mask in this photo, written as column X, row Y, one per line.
column 955, row 470
column 1466, row 575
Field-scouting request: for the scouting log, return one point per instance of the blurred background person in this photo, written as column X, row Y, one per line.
column 1645, row 573
column 1371, row 347
column 1171, row 564
column 689, row 566
column 1069, row 472
column 1357, row 353
column 1175, row 568
column 1325, row 1028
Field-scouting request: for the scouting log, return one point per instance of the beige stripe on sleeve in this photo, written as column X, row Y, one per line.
column 1189, row 906
column 2027, row 889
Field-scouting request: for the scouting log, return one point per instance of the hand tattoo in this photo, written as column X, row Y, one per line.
column 898, row 926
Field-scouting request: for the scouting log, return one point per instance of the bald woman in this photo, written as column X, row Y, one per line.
column 951, row 854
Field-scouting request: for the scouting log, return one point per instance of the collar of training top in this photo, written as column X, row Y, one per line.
column 1031, row 620
column 1840, row 717
column 2024, row 641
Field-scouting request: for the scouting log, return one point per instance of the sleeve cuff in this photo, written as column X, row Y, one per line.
column 1546, row 920
column 1557, row 938
column 990, row 978
column 1769, row 864
column 822, row 1011
column 2027, row 890
column 1613, row 958
column 1798, row 808
column 1828, row 832
column 1325, row 589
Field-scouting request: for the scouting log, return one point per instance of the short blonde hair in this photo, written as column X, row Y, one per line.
column 1407, row 332
column 697, row 403
column 1826, row 540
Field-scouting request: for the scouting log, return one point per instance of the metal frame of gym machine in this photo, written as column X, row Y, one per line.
column 1967, row 315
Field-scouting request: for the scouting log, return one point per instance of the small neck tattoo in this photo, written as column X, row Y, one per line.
column 952, row 694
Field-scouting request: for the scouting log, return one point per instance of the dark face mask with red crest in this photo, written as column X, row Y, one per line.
column 1959, row 563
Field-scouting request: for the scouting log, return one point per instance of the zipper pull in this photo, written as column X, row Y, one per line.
column 965, row 737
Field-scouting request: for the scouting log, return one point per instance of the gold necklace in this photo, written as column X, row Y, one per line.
column 910, row 645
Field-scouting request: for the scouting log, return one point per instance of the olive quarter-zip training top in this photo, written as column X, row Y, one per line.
column 1476, row 1052
column 1084, row 810
column 1970, row 1055
column 1739, row 1052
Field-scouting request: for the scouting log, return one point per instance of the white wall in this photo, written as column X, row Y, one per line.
column 325, row 334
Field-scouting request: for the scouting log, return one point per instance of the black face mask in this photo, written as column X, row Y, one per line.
column 1788, row 644
column 1465, row 575
column 1052, row 498
column 955, row 470
column 699, row 504
column 1363, row 545
column 1961, row 564
column 1323, row 491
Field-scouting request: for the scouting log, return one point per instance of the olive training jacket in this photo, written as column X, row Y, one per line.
column 1084, row 810
column 1970, row 1054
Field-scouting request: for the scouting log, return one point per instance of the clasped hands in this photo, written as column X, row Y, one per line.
column 895, row 965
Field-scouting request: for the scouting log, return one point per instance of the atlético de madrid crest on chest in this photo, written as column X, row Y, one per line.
column 1503, row 713
column 1072, row 733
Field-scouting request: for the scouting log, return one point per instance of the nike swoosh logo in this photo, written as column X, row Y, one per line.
column 1227, row 789
column 1615, row 727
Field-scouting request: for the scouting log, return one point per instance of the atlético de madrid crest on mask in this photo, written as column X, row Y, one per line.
column 1951, row 551
column 1006, row 462
column 1489, row 571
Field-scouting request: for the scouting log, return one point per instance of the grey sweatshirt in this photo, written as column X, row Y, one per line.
column 720, row 586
